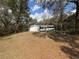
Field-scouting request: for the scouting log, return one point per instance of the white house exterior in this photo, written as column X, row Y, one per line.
column 41, row 28
column 34, row 28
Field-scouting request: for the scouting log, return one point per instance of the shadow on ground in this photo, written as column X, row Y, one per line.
column 73, row 42
column 5, row 38
column 40, row 34
column 71, row 52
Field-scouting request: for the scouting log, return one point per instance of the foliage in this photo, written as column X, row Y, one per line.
column 69, row 24
column 17, row 21
column 11, row 4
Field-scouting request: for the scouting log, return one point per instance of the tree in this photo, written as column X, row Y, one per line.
column 19, row 8
column 77, row 15
column 5, row 19
column 17, row 21
column 59, row 14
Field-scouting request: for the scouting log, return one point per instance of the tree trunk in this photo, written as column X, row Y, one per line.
column 18, row 14
column 77, row 17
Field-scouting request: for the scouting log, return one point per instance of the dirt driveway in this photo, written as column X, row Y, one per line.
column 28, row 46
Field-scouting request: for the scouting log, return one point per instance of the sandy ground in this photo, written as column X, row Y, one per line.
column 29, row 46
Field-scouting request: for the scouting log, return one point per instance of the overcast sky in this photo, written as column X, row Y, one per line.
column 38, row 12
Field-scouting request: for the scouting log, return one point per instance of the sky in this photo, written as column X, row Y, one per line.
column 38, row 12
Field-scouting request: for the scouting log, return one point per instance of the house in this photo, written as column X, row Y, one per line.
column 41, row 28
column 34, row 28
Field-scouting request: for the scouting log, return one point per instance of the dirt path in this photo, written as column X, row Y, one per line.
column 28, row 46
